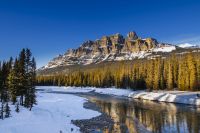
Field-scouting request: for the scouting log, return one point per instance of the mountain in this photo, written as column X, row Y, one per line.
column 187, row 45
column 111, row 48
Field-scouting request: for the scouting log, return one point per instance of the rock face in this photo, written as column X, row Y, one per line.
column 132, row 36
column 108, row 48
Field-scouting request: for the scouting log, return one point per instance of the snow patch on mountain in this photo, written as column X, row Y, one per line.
column 187, row 45
column 169, row 48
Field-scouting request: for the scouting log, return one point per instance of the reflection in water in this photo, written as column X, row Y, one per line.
column 156, row 117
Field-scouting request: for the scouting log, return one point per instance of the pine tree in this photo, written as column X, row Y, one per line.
column 7, row 111
column 157, row 74
column 13, row 82
column 32, row 96
column 17, row 108
column 22, row 76
column 1, row 81
column 4, row 88
column 181, row 76
column 150, row 76
column 28, row 77
column 170, row 76
column 192, row 73
column 2, row 111
column 174, row 63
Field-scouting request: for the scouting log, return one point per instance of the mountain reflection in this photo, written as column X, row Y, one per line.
column 155, row 117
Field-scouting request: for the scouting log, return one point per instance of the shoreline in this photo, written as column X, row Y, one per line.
column 176, row 97
column 101, row 122
column 52, row 114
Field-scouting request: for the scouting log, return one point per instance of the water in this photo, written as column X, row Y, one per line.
column 156, row 117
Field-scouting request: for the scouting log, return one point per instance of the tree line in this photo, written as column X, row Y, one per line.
column 176, row 72
column 17, row 82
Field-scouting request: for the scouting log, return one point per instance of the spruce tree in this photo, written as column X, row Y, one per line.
column 150, row 76
column 22, row 76
column 192, row 73
column 181, row 81
column 157, row 74
column 13, row 82
column 170, row 76
column 2, row 111
column 17, row 107
column 1, row 81
column 7, row 111
column 32, row 96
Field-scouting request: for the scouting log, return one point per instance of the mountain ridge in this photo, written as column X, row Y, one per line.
column 111, row 48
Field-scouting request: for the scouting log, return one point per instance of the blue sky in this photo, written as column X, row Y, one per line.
column 50, row 27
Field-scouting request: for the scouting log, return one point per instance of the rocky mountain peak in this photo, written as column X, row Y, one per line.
column 132, row 35
column 109, row 48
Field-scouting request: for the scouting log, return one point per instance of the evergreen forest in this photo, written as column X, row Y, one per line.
column 17, row 83
column 175, row 72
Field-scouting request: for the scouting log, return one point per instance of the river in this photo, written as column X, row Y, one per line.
column 155, row 117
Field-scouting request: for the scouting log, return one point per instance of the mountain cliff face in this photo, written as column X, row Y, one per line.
column 110, row 48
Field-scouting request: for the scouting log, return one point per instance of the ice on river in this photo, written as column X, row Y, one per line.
column 52, row 114
column 183, row 97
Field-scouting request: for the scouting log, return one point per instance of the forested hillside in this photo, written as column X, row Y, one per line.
column 17, row 83
column 177, row 71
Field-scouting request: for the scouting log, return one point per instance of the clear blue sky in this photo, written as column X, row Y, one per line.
column 50, row 27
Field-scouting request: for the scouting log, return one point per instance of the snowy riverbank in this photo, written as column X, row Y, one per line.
column 183, row 97
column 54, row 111
column 52, row 114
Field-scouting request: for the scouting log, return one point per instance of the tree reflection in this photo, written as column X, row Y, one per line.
column 156, row 117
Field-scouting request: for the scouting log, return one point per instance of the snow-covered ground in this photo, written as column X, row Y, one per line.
column 113, row 91
column 183, row 97
column 65, row 89
column 109, row 91
column 52, row 114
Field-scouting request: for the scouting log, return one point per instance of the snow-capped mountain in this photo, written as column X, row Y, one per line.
column 187, row 45
column 111, row 48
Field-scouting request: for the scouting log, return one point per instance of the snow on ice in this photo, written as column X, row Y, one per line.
column 52, row 114
column 183, row 97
